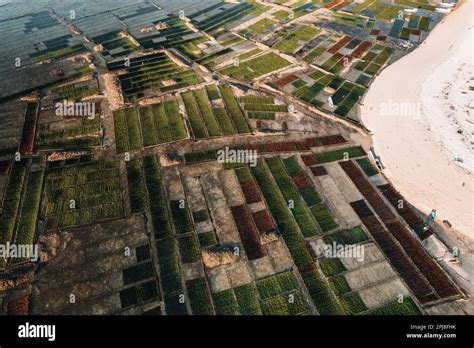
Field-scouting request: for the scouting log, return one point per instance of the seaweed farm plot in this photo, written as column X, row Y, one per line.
column 13, row 121
column 414, row 26
column 372, row 62
column 202, row 119
column 275, row 293
column 323, row 90
column 161, row 219
column 295, row 203
column 405, row 211
column 218, row 57
column 293, row 39
column 29, row 128
column 368, row 191
column 263, row 26
column 347, row 19
column 148, row 125
column 218, row 18
column 136, row 186
column 377, row 10
column 233, row 109
column 350, row 300
column 322, row 48
column 82, row 194
column 115, row 44
column 362, row 284
column 176, row 243
column 322, row 297
column 416, row 17
column 430, row 270
column 214, row 111
column 297, row 9
column 27, row 225
column 69, row 132
column 332, row 156
column 256, row 67
column 173, row 158
column 170, row 32
column 51, row 40
column 286, row 223
column 37, row 46
column 346, row 57
column 115, row 284
column 75, row 91
column 248, row 186
column 248, row 232
column 309, row 194
column 400, row 262
column 351, row 58
column 262, row 107
column 11, row 203
column 155, row 72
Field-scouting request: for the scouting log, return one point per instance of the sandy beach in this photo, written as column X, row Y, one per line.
column 420, row 111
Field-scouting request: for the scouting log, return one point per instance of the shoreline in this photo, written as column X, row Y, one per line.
column 417, row 161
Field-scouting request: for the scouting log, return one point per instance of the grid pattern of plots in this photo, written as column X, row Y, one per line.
column 29, row 38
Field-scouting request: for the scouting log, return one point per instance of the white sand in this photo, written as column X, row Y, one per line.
column 409, row 110
column 449, row 104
